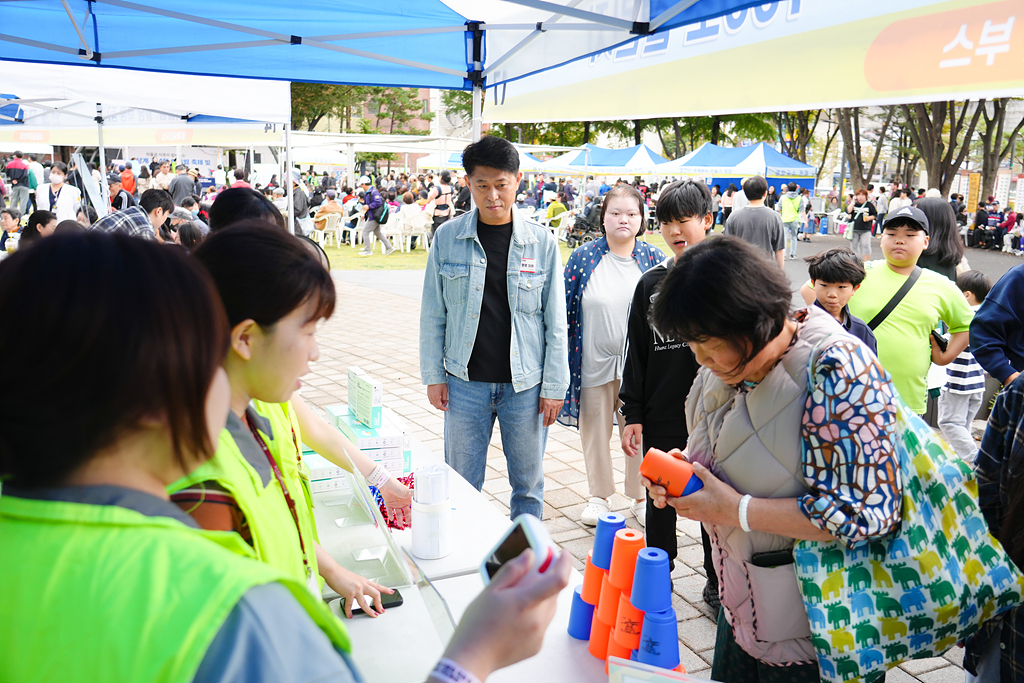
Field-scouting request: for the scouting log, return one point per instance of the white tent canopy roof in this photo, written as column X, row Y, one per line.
column 55, row 95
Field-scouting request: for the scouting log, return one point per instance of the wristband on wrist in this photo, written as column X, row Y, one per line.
column 378, row 477
column 448, row 671
column 744, row 504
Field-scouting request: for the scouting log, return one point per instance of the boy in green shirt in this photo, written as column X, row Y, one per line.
column 905, row 345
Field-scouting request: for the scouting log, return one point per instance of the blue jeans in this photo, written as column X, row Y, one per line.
column 794, row 231
column 472, row 407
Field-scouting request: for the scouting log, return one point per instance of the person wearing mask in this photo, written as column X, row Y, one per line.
column 198, row 215
column 501, row 351
column 58, row 196
column 141, row 221
column 41, row 224
column 600, row 278
column 761, row 416
column 441, row 195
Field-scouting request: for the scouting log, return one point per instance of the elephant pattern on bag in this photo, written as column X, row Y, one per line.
column 917, row 592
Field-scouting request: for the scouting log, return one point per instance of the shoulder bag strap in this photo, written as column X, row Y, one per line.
column 896, row 299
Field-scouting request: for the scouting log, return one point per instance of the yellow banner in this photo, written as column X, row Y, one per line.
column 973, row 190
column 787, row 56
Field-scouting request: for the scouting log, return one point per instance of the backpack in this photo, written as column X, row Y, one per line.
column 384, row 212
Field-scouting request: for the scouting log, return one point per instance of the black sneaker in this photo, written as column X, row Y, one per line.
column 710, row 595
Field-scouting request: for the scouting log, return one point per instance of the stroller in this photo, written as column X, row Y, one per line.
column 585, row 229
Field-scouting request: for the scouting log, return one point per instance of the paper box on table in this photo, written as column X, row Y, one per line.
column 365, row 397
column 364, row 437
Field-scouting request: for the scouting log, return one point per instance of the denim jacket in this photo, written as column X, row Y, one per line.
column 453, row 292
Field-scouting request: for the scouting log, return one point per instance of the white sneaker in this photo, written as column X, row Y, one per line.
column 639, row 510
column 595, row 508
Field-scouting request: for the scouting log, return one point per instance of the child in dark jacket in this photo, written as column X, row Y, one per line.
column 658, row 371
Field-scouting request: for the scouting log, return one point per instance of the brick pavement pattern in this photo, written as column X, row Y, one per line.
column 379, row 331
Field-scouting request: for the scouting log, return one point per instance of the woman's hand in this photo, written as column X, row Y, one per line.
column 506, row 623
column 398, row 499
column 355, row 589
column 716, row 503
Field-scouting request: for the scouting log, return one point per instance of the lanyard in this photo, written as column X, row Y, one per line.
column 284, row 489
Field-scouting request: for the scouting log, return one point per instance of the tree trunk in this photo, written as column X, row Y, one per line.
column 508, row 132
column 680, row 148
column 993, row 150
column 927, row 124
column 830, row 136
column 849, row 128
column 586, row 132
column 716, row 129
column 637, row 132
column 313, row 120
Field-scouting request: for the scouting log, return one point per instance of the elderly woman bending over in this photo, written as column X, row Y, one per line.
column 784, row 455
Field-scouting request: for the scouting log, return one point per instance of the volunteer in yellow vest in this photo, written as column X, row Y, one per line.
column 275, row 293
column 104, row 579
column 789, row 208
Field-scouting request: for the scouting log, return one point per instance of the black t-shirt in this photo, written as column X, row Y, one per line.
column 490, row 361
column 859, row 212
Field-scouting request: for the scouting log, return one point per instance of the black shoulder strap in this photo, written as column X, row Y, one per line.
column 896, row 299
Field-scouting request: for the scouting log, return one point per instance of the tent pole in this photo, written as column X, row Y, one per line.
column 478, row 97
column 288, row 178
column 350, row 163
column 104, row 192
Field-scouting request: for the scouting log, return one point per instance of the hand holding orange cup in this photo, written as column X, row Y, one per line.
column 672, row 473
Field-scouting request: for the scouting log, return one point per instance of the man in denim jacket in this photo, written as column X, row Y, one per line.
column 493, row 330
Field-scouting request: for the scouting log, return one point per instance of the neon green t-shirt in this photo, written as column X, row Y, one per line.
column 903, row 346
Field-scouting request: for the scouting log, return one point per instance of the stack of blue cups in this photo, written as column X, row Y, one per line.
column 652, row 593
column 580, row 616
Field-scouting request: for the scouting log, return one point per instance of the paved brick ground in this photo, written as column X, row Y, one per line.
column 377, row 330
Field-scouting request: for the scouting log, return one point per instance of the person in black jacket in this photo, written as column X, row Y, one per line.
column 658, row 371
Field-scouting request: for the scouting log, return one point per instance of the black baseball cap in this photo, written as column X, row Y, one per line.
column 113, row 178
column 908, row 214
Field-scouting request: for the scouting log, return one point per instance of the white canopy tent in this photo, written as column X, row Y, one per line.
column 52, row 103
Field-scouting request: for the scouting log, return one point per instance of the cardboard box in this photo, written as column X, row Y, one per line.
column 365, row 397
column 365, row 438
column 320, row 467
column 340, row 485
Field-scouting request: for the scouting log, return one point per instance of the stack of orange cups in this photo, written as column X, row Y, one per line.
column 628, row 619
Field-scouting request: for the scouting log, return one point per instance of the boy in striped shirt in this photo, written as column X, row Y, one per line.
column 961, row 398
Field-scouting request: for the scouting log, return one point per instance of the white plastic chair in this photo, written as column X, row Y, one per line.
column 327, row 235
column 394, row 230
column 418, row 225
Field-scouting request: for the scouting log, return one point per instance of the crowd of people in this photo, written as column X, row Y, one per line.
column 700, row 353
column 172, row 499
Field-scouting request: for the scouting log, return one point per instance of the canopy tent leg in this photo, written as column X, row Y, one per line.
column 350, row 164
column 478, row 97
column 104, row 188
column 287, row 179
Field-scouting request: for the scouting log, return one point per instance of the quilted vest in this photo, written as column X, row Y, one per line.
column 753, row 442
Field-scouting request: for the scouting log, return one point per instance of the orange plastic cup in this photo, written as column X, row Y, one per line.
column 668, row 471
column 628, row 624
column 628, row 544
column 608, row 607
column 614, row 650
column 592, row 577
column 599, row 632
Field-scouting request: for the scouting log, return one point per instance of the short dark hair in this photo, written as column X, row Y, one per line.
column 622, row 191
column 69, row 226
column 239, row 174
column 156, row 199
column 791, row 187
column 493, row 152
column 59, row 166
column 723, row 288
column 188, row 201
column 446, row 177
column 975, row 282
column 683, row 200
column 755, row 187
column 241, row 204
column 12, row 212
column 263, row 274
column 836, row 266
column 140, row 332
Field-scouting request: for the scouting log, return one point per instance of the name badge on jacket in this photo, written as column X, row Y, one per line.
column 529, row 265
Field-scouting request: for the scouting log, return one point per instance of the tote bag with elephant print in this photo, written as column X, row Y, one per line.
column 917, row 592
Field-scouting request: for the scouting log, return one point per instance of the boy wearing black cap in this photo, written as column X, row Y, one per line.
column 902, row 303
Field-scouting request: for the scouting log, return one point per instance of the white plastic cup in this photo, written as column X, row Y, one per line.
column 431, row 530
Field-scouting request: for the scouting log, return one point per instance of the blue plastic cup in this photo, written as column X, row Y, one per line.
column 659, row 640
column 604, row 538
column 652, row 581
column 633, row 656
column 580, row 616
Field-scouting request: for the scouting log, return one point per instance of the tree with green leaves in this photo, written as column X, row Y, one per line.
column 393, row 108
column 312, row 102
column 856, row 136
column 795, row 129
column 996, row 142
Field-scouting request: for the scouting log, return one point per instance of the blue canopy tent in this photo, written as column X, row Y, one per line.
column 724, row 165
column 599, row 161
column 415, row 43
